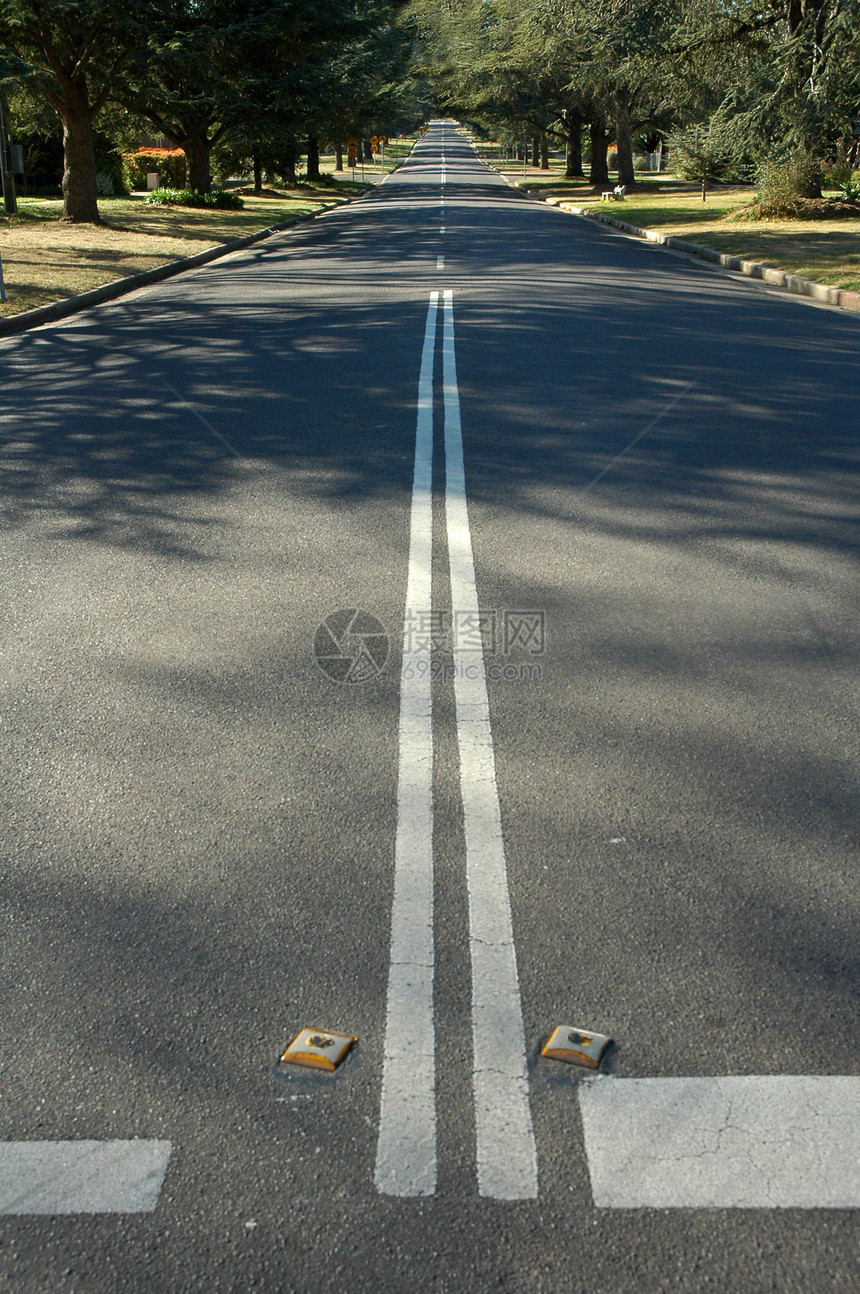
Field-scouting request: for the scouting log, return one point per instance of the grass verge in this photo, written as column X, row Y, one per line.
column 827, row 251
column 46, row 260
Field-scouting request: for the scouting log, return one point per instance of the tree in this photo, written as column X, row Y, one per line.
column 259, row 71
column 705, row 154
column 75, row 54
column 784, row 75
column 197, row 78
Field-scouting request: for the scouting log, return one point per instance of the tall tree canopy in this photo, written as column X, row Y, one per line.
column 75, row 54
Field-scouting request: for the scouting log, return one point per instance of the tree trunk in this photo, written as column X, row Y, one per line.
column 626, row 174
column 258, row 174
column 313, row 158
column 10, row 200
column 544, row 153
column 599, row 147
column 338, row 157
column 573, row 145
column 80, row 190
column 197, row 174
column 535, row 151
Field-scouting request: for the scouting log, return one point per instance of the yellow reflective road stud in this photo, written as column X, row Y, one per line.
column 318, row 1049
column 576, row 1046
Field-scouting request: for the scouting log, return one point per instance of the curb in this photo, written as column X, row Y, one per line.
column 120, row 287
column 752, row 269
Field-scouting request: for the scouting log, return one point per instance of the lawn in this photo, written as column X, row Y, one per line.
column 45, row 259
column 827, row 251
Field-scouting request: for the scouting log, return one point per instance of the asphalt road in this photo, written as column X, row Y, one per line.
column 200, row 826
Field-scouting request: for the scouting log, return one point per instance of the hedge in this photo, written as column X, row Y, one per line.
column 168, row 162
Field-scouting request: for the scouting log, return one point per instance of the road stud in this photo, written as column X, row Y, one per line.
column 576, row 1046
column 318, row 1049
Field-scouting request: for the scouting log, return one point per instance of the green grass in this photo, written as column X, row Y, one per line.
column 827, row 251
column 46, row 260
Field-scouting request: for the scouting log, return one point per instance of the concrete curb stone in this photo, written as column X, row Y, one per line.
column 778, row 278
column 120, row 287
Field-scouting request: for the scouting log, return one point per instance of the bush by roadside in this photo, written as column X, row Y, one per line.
column 791, row 190
column 220, row 199
column 167, row 163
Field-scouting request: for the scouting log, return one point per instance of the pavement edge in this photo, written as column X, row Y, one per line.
column 121, row 287
column 793, row 283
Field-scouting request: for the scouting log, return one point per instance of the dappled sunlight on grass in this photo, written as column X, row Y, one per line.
column 827, row 251
column 46, row 259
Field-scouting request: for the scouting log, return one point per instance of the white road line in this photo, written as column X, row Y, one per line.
column 53, row 1177
column 723, row 1143
column 506, row 1153
column 440, row 262
column 406, row 1151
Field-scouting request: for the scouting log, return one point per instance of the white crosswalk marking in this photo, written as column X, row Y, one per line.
column 740, row 1142
column 55, row 1177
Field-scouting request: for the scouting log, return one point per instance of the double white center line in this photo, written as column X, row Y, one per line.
column 505, row 1152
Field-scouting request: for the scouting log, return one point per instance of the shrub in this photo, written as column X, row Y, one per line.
column 844, row 179
column 705, row 153
column 223, row 199
column 612, row 159
column 780, row 184
column 168, row 162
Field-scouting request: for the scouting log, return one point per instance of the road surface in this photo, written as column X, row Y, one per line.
column 436, row 625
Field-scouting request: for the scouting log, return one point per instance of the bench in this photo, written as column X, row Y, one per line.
column 614, row 195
